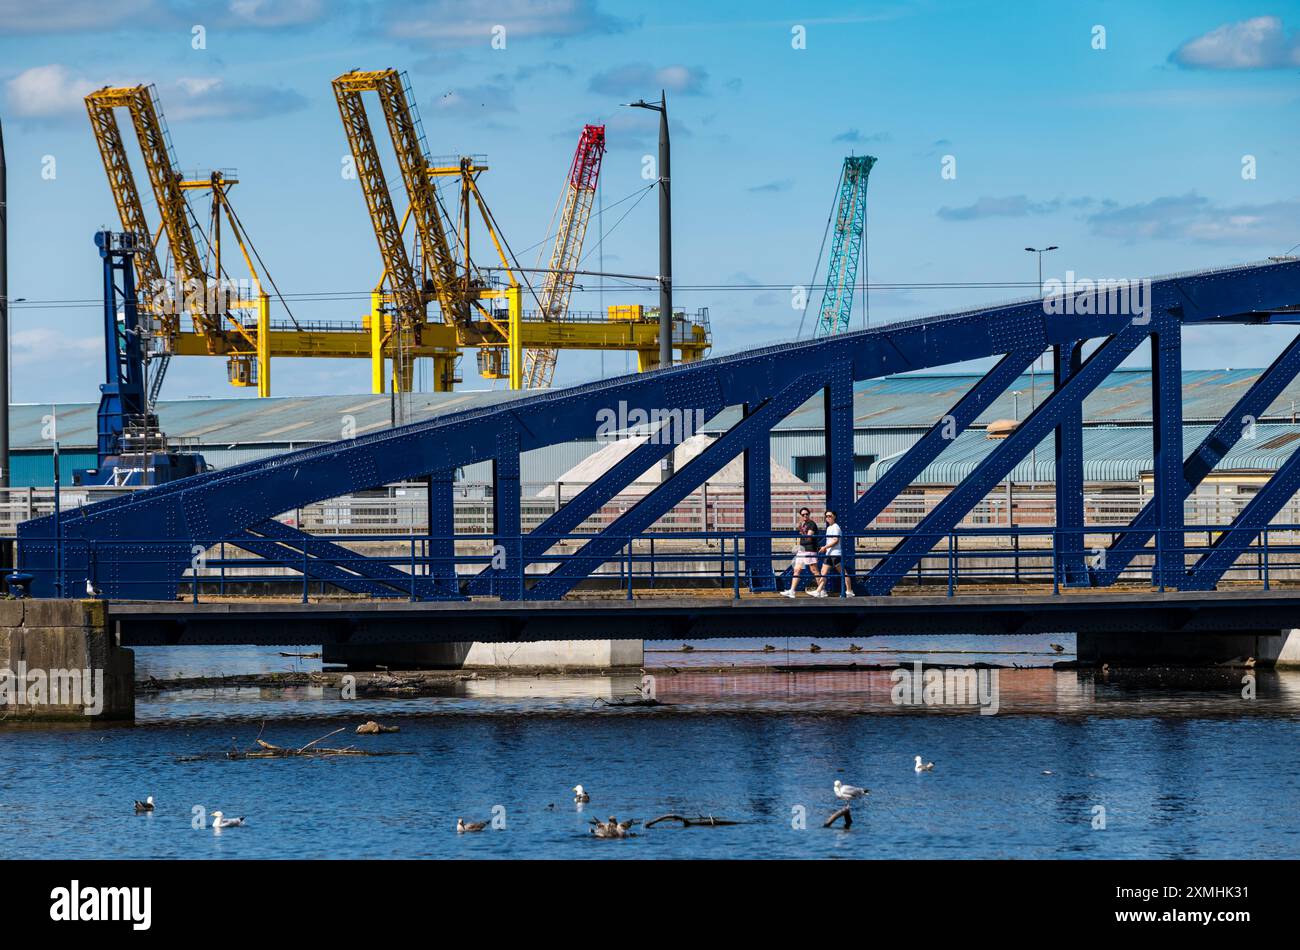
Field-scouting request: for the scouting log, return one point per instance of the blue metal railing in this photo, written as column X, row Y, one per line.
column 421, row 567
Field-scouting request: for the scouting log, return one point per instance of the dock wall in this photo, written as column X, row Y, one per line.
column 59, row 661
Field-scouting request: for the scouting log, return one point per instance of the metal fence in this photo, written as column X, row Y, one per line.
column 403, row 509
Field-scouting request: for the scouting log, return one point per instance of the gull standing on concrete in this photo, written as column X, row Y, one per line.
column 924, row 766
column 850, row 792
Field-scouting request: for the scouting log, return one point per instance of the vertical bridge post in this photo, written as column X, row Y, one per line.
column 758, row 509
column 1068, row 537
column 506, row 525
column 1167, row 434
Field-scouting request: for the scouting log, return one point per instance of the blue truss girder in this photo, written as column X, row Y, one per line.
column 140, row 543
column 941, row 435
column 663, row 498
column 326, row 561
column 997, row 465
column 578, row 509
column 1212, row 450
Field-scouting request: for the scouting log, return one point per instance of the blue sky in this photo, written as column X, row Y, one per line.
column 1129, row 157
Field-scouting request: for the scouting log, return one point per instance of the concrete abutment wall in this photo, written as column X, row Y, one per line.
column 60, row 662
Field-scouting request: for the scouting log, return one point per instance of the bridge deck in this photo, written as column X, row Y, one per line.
column 699, row 617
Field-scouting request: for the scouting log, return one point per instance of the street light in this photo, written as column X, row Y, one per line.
column 665, row 245
column 665, row 229
column 1033, row 368
column 1040, row 251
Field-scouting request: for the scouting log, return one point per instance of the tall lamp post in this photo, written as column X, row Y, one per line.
column 1033, row 369
column 665, row 243
column 4, row 317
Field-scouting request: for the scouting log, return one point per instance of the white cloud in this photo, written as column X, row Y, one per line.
column 276, row 13
column 1193, row 217
column 1257, row 43
column 26, row 16
column 45, row 345
column 442, row 23
column 54, row 92
column 45, row 92
column 475, row 100
column 636, row 79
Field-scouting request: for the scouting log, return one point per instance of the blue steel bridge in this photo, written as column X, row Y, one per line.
column 144, row 546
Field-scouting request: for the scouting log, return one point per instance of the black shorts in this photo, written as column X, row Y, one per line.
column 833, row 560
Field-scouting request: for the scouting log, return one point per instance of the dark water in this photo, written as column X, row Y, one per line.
column 1182, row 764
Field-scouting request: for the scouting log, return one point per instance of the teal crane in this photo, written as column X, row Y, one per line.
column 846, row 247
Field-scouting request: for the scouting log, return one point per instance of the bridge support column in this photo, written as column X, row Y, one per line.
column 509, row 583
column 442, row 531
column 1167, row 434
column 841, row 491
column 1068, row 538
column 758, row 511
column 59, row 661
column 1266, row 648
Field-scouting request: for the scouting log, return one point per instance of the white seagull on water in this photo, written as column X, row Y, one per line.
column 219, row 821
column 580, row 796
column 924, row 766
column 850, row 792
column 144, row 806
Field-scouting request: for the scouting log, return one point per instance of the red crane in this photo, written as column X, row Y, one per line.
column 579, row 192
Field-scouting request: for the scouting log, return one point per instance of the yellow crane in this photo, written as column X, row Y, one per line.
column 227, row 317
column 439, row 266
column 198, row 302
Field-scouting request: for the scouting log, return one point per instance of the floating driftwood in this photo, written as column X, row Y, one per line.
column 703, row 821
column 372, row 728
column 627, row 703
column 265, row 750
column 846, row 813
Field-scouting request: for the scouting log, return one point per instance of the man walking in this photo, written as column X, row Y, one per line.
column 805, row 555
column 834, row 560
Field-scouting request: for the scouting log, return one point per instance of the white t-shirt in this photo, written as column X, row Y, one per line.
column 833, row 539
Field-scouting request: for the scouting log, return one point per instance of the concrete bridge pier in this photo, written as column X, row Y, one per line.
column 551, row 655
column 60, row 662
column 1268, row 648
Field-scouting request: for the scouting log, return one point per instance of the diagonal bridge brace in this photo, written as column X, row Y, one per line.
column 941, row 435
column 637, row 519
column 572, row 514
column 999, row 463
column 1217, row 444
column 1246, row 527
column 331, row 562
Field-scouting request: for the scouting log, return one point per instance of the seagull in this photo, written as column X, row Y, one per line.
column 1056, row 647
column 144, row 806
column 91, row 589
column 924, row 766
column 850, row 792
column 463, row 826
column 579, row 796
column 219, row 821
column 613, row 828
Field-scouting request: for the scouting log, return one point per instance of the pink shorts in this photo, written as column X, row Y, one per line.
column 805, row 559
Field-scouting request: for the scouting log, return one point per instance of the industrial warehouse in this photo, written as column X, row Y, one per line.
column 890, row 415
